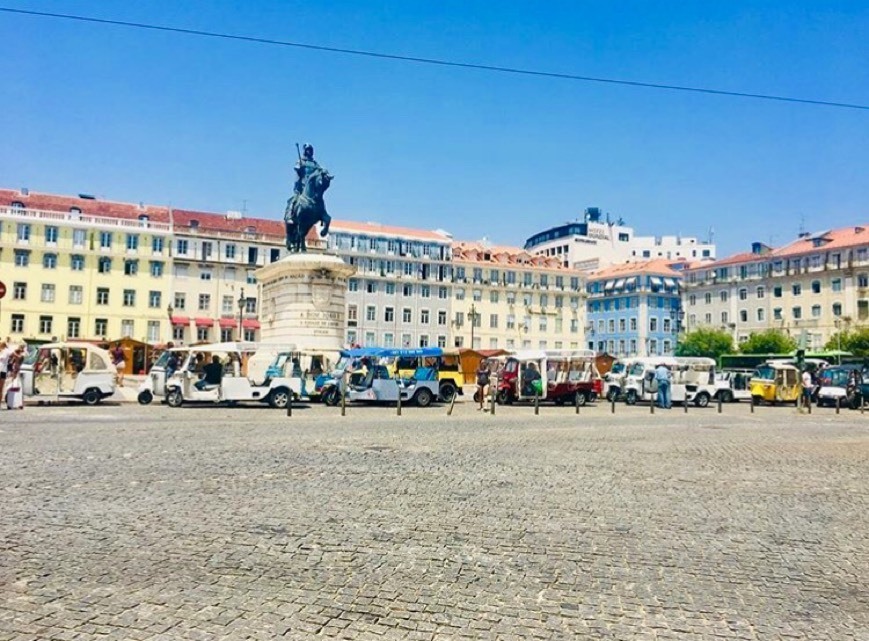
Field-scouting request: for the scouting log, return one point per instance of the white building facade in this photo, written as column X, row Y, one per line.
column 594, row 243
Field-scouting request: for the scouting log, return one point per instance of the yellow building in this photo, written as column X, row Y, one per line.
column 76, row 267
column 506, row 298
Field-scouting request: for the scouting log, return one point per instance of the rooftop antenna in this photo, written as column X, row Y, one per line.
column 244, row 207
column 802, row 225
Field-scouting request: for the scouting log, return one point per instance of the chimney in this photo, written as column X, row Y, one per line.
column 859, row 230
column 25, row 191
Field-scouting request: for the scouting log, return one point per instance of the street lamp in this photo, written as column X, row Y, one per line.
column 473, row 317
column 677, row 314
column 241, row 303
column 169, row 311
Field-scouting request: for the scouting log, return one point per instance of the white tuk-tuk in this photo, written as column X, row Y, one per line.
column 220, row 373
column 378, row 385
column 312, row 366
column 693, row 380
column 69, row 370
column 154, row 384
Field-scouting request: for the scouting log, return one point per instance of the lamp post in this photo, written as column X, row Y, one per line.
column 838, row 323
column 677, row 314
column 169, row 311
column 241, row 303
column 473, row 317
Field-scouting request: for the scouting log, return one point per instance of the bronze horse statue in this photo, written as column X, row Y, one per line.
column 306, row 209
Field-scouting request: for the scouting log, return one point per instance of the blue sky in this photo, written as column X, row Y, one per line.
column 208, row 124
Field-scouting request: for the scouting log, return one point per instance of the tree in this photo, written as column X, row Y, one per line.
column 856, row 341
column 770, row 341
column 705, row 341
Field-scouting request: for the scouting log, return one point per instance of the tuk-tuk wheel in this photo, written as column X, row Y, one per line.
column 331, row 396
column 631, row 397
column 726, row 396
column 612, row 394
column 702, row 400
column 581, row 398
column 145, row 397
column 279, row 398
column 503, row 397
column 446, row 392
column 91, row 396
column 423, row 397
column 174, row 398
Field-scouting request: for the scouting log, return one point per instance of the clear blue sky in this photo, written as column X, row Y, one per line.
column 206, row 124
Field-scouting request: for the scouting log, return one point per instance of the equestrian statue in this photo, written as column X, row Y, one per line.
column 306, row 207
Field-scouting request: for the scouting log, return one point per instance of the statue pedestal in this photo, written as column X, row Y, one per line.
column 302, row 301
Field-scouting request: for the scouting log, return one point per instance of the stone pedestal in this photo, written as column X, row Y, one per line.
column 302, row 298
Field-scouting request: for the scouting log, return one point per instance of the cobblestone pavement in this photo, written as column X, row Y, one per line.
column 134, row 523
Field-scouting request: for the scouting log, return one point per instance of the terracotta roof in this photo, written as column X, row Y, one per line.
column 92, row 207
column 388, row 230
column 477, row 252
column 833, row 239
column 219, row 222
column 659, row 267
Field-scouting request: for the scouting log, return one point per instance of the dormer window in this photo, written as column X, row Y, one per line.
column 75, row 211
column 194, row 224
column 17, row 204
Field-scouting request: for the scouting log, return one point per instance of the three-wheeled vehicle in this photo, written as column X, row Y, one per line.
column 447, row 365
column 839, row 383
column 692, row 380
column 561, row 376
column 186, row 385
column 311, row 366
column 737, row 385
column 351, row 368
column 154, row 384
column 379, row 385
column 640, row 383
column 776, row 382
column 69, row 370
column 614, row 381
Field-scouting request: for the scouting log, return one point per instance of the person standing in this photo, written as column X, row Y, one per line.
column 482, row 382
column 5, row 353
column 808, row 386
column 14, row 389
column 662, row 377
column 119, row 362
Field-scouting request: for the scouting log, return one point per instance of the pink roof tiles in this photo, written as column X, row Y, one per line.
column 833, row 239
column 88, row 206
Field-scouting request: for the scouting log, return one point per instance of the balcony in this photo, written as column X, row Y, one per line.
column 79, row 220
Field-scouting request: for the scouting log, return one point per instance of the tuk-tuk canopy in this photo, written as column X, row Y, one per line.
column 410, row 352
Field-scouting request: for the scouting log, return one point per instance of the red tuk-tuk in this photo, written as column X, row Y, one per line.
column 561, row 376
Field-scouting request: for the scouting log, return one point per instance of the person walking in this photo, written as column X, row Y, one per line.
column 14, row 387
column 5, row 352
column 662, row 377
column 482, row 382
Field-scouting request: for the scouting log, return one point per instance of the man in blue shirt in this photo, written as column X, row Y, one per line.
column 662, row 377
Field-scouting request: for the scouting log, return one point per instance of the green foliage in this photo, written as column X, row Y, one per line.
column 705, row 342
column 855, row 341
column 770, row 341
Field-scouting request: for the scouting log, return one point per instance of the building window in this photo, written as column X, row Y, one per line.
column 204, row 302
column 666, row 327
column 460, row 294
column 202, row 333
column 76, row 294
column 836, row 284
column 777, row 313
column 17, row 324
column 250, row 335
column 229, row 251
column 777, row 291
column 423, row 340
column 862, row 280
column 760, row 292
column 105, row 240
column 76, row 262
column 389, row 314
column 390, row 289
column 743, row 315
column 129, row 298
column 73, row 327
column 493, row 321
column 353, row 285
column 653, row 324
column 154, row 331
column 101, row 327
column 205, row 274
column 371, row 286
column 154, row 299
column 51, row 235
column 79, row 236
column 19, row 291
column 45, row 323
column 23, row 233
column 250, row 279
column 707, row 298
column 157, row 244
column 132, row 242
column 816, row 311
column 493, row 296
column 180, row 301
column 370, row 313
column 181, row 247
column 442, row 317
column 797, row 289
column 797, row 312
column 478, row 295
column 131, row 267
column 178, row 332
column 722, row 295
column 47, row 293
column 104, row 265
column 102, row 295
column 22, row 258
column 816, row 287
column 724, row 317
column 49, row 261
column 443, row 293
column 837, row 309
column 156, row 268
column 425, row 291
column 760, row 314
column 743, row 294
column 424, row 316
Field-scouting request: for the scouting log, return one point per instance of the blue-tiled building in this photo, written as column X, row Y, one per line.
column 634, row 309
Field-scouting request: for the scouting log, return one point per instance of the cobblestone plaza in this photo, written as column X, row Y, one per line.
column 123, row 522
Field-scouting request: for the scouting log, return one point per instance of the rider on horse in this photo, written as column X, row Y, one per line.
column 306, row 206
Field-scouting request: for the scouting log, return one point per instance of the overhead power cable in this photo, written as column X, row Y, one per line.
column 432, row 61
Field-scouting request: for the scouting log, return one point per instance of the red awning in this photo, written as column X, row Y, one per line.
column 250, row 323
column 180, row 320
column 228, row 323
column 204, row 322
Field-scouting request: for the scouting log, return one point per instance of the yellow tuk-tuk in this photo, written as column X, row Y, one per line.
column 776, row 383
